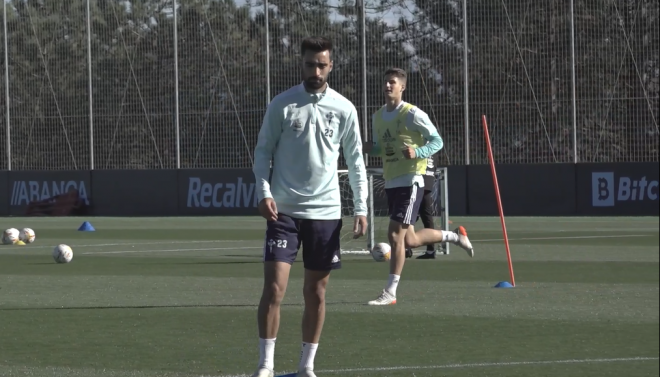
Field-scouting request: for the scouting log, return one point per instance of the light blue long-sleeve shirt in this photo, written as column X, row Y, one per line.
column 301, row 136
column 416, row 120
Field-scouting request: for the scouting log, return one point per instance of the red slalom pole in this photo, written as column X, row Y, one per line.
column 499, row 199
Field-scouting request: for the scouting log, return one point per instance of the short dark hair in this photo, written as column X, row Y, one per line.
column 316, row 44
column 396, row 72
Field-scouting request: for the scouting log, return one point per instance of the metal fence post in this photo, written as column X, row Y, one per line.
column 176, row 87
column 365, row 96
column 573, row 85
column 267, row 53
column 89, row 84
column 7, row 102
column 466, row 86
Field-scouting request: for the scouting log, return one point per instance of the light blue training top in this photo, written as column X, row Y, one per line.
column 301, row 136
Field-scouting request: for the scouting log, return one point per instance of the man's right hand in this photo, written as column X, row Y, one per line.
column 268, row 209
column 367, row 146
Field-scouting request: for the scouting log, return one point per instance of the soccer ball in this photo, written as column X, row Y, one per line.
column 10, row 236
column 381, row 252
column 62, row 254
column 26, row 235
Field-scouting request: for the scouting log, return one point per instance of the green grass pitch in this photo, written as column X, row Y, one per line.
column 147, row 297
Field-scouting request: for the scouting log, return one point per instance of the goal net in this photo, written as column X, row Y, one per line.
column 378, row 217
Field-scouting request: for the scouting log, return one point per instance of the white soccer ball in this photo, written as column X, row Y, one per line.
column 381, row 252
column 26, row 235
column 62, row 254
column 10, row 236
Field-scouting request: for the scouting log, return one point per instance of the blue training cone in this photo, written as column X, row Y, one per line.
column 503, row 284
column 86, row 227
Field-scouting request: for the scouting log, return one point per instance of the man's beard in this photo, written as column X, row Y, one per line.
column 314, row 83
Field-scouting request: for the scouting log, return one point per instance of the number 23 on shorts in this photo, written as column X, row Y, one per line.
column 280, row 244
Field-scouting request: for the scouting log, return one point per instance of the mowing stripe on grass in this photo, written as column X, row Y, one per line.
column 138, row 243
column 478, row 365
column 259, row 247
column 89, row 372
column 172, row 250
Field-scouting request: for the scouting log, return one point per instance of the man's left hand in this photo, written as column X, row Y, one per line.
column 409, row 152
column 359, row 227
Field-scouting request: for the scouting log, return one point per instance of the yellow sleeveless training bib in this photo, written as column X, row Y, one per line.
column 393, row 138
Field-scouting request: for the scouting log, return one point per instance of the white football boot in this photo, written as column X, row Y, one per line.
column 264, row 372
column 463, row 241
column 306, row 373
column 385, row 298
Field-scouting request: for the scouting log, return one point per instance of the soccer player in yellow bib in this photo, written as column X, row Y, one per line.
column 404, row 137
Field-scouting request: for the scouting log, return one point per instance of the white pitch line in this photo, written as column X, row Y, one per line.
column 170, row 250
column 502, row 364
column 560, row 220
column 477, row 365
column 564, row 238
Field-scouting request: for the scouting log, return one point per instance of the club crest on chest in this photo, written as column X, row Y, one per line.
column 329, row 117
column 296, row 124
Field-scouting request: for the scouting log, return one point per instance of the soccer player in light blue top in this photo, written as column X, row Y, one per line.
column 405, row 137
column 296, row 172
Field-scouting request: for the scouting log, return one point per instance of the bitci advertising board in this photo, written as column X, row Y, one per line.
column 226, row 192
column 620, row 189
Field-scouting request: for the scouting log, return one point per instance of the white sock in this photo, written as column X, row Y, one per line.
column 307, row 356
column 449, row 236
column 392, row 284
column 267, row 353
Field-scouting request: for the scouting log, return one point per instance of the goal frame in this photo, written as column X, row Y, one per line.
column 440, row 198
